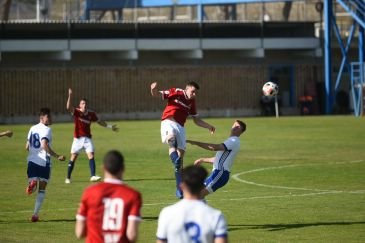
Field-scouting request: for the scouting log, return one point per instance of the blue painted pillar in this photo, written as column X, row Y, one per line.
column 362, row 66
column 361, row 44
column 327, row 55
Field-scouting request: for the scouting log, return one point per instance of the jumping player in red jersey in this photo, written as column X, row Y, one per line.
column 180, row 105
column 110, row 210
column 82, row 135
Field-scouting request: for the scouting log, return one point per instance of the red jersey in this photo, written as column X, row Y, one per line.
column 83, row 121
column 178, row 107
column 107, row 207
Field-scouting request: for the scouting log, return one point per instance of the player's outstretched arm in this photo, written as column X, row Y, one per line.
column 6, row 133
column 114, row 127
column 204, row 160
column 154, row 91
column 69, row 99
column 199, row 122
column 207, row 146
column 45, row 146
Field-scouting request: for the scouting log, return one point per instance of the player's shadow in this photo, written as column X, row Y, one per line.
column 149, row 218
column 277, row 227
column 150, row 179
column 27, row 221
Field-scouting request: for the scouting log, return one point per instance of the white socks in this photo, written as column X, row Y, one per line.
column 39, row 201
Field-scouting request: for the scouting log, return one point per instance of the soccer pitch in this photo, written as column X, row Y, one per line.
column 296, row 179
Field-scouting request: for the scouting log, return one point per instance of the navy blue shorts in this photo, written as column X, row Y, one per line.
column 37, row 171
column 216, row 180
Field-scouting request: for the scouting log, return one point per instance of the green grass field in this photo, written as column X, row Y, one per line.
column 296, row 179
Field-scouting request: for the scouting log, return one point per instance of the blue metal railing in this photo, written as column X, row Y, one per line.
column 356, row 8
column 357, row 85
column 120, row 4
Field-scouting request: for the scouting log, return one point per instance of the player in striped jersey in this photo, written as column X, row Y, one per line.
column 39, row 158
column 223, row 159
column 191, row 220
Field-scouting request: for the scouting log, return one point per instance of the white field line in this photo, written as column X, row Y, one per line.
column 236, row 177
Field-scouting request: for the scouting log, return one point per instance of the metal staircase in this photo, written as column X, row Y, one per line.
column 356, row 9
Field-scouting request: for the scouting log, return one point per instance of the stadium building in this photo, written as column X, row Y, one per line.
column 110, row 52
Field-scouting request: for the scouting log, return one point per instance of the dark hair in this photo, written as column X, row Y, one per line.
column 44, row 111
column 194, row 176
column 194, row 84
column 114, row 162
column 242, row 125
column 84, row 99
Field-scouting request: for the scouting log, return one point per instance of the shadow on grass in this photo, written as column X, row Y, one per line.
column 149, row 218
column 276, row 227
column 27, row 221
column 150, row 179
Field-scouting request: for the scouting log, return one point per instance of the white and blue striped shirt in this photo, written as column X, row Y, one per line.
column 224, row 159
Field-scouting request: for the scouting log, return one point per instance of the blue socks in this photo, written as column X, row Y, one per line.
column 92, row 166
column 176, row 160
column 71, row 165
column 70, row 168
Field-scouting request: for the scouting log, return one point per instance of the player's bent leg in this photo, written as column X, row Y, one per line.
column 178, row 165
column 216, row 180
column 70, row 167
column 32, row 186
column 33, row 174
column 171, row 141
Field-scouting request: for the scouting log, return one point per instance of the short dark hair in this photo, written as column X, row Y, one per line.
column 194, row 84
column 44, row 111
column 114, row 162
column 242, row 125
column 84, row 99
column 194, row 176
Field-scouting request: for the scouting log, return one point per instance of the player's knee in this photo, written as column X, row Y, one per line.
column 172, row 142
column 176, row 160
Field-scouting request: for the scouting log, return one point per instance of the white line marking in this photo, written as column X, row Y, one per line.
column 236, row 177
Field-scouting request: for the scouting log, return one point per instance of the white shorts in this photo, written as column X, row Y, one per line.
column 169, row 127
column 82, row 143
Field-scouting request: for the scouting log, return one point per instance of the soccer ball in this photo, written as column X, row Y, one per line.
column 270, row 89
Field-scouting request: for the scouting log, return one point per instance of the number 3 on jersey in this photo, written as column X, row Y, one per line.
column 34, row 140
column 113, row 213
column 193, row 230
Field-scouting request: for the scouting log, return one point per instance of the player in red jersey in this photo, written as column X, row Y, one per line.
column 110, row 210
column 83, row 117
column 180, row 105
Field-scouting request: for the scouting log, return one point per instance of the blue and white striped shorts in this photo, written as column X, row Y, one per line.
column 216, row 180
